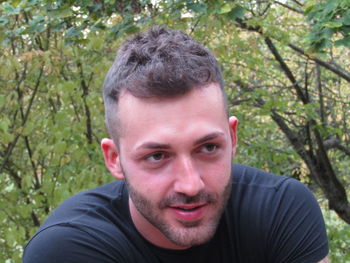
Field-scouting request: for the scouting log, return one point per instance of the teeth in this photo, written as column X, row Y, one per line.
column 187, row 209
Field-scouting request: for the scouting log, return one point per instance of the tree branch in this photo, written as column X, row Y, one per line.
column 320, row 95
column 9, row 168
column 297, row 2
column 335, row 69
column 316, row 159
column 334, row 143
column 85, row 88
column 289, row 7
column 12, row 145
column 36, row 176
column 294, row 139
column 286, row 70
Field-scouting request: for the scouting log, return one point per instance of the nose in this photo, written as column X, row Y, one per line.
column 188, row 178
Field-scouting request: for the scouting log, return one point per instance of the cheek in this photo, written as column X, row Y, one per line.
column 217, row 174
column 152, row 186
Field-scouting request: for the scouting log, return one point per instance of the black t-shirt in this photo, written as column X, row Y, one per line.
column 268, row 218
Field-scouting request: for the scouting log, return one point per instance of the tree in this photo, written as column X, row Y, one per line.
column 287, row 85
column 317, row 129
column 330, row 24
column 51, row 113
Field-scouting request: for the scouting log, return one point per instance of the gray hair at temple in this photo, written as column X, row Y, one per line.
column 159, row 63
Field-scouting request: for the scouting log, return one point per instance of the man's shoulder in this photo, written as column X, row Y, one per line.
column 80, row 204
column 257, row 186
column 67, row 243
column 88, row 226
column 248, row 176
column 276, row 214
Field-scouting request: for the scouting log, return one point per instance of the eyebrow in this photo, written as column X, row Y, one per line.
column 153, row 145
column 209, row 137
column 161, row 146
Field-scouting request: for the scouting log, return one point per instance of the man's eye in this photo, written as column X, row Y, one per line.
column 209, row 148
column 156, row 157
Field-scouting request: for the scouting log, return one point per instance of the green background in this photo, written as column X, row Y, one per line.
column 287, row 73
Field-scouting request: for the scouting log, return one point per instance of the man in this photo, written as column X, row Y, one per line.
column 177, row 197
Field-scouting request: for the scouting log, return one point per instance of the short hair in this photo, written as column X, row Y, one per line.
column 158, row 63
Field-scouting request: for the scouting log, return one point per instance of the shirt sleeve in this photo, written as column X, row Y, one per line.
column 61, row 243
column 297, row 230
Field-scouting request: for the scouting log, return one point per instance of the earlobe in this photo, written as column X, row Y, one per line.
column 233, row 122
column 111, row 157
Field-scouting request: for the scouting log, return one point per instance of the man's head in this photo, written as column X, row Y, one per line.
column 175, row 146
column 160, row 63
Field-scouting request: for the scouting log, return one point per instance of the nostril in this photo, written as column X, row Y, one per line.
column 189, row 186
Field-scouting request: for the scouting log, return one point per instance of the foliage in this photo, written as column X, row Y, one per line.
column 330, row 22
column 339, row 238
column 51, row 114
column 54, row 56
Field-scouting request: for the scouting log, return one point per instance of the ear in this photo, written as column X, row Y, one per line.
column 112, row 160
column 233, row 122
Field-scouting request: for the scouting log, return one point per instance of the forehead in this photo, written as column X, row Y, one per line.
column 210, row 94
column 203, row 105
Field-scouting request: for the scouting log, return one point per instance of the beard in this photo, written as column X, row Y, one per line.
column 187, row 234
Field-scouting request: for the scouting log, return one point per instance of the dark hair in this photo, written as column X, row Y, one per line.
column 158, row 63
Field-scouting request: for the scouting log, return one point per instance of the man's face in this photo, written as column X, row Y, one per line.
column 175, row 155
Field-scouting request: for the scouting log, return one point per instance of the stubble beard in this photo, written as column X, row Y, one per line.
column 188, row 234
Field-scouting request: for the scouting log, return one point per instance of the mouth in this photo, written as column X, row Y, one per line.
column 188, row 213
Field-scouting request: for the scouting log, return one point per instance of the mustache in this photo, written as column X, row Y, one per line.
column 182, row 199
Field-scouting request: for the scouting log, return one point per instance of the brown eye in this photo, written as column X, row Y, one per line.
column 209, row 148
column 156, row 157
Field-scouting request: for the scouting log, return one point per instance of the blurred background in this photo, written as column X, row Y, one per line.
column 287, row 71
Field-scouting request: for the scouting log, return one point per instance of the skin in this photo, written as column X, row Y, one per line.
column 175, row 155
column 175, row 152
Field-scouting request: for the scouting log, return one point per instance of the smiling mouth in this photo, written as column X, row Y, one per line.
column 187, row 209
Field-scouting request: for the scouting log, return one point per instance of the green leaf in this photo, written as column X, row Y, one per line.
column 311, row 110
column 10, row 10
column 197, row 7
column 309, row 7
column 73, row 32
column 329, row 7
column 3, row 21
column 68, row 87
column 48, row 187
column 37, row 24
column 9, row 188
column 26, row 181
column 28, row 129
column 333, row 24
column 10, row 237
column 321, row 44
column 345, row 30
column 225, row 8
column 7, row 138
column 132, row 29
column 327, row 33
column 24, row 211
column 343, row 42
column 346, row 18
column 60, row 12
column 237, row 12
column 57, row 26
column 60, row 147
column 4, row 124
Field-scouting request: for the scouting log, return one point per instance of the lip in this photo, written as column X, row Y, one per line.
column 191, row 215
